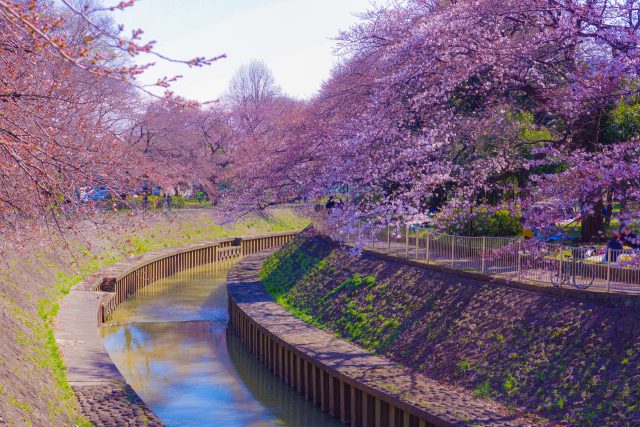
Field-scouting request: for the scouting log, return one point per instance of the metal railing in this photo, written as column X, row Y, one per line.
column 529, row 260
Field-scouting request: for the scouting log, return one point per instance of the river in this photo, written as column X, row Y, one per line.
column 171, row 343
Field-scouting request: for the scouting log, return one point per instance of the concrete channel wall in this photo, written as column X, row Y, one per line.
column 127, row 282
column 360, row 388
column 343, row 397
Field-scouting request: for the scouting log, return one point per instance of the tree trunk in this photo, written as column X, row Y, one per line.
column 623, row 212
column 593, row 224
column 609, row 211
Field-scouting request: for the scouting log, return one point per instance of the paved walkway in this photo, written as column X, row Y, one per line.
column 104, row 396
column 531, row 272
column 440, row 403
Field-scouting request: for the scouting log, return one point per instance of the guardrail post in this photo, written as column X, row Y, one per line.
column 406, row 232
column 427, row 244
column 388, row 239
column 417, row 243
column 453, row 246
column 608, row 271
column 519, row 258
column 484, row 247
column 560, row 257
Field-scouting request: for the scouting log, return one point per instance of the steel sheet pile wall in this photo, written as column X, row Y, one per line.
column 183, row 259
column 343, row 397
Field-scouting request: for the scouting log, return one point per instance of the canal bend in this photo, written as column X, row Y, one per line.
column 171, row 343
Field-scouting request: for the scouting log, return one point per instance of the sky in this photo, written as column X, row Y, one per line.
column 295, row 38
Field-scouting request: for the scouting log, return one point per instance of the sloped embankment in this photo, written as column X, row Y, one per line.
column 567, row 360
column 36, row 275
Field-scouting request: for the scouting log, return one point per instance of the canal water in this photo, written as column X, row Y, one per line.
column 171, row 343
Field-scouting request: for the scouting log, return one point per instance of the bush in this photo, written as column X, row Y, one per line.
column 501, row 223
column 486, row 223
column 179, row 202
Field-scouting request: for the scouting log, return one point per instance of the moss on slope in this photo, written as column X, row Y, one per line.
column 566, row 360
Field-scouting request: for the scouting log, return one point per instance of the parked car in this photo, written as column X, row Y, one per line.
column 98, row 194
column 553, row 236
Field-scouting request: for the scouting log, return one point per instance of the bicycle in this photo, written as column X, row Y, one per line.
column 573, row 271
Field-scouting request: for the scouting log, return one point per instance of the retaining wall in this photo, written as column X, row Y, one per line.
column 128, row 282
column 343, row 397
column 353, row 385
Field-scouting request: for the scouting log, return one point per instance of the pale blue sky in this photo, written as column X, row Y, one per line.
column 293, row 37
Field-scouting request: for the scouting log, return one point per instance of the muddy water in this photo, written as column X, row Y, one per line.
column 171, row 344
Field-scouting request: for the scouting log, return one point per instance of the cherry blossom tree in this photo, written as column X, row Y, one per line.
column 68, row 97
column 468, row 106
column 257, row 169
column 181, row 143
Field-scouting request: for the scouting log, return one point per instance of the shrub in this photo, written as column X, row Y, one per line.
column 487, row 223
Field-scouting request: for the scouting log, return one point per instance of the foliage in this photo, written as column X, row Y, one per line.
column 624, row 121
column 486, row 222
column 453, row 106
column 69, row 95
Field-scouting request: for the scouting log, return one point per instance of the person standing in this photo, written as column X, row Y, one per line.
column 163, row 201
column 614, row 247
column 330, row 204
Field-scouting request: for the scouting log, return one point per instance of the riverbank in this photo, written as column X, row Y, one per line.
column 36, row 274
column 571, row 361
column 352, row 384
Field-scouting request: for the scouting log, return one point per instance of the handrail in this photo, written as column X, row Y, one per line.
column 590, row 269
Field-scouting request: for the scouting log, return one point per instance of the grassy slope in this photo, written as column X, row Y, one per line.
column 562, row 359
column 33, row 387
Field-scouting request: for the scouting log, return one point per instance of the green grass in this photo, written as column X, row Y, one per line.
column 43, row 346
column 483, row 390
column 354, row 282
column 464, row 366
column 362, row 323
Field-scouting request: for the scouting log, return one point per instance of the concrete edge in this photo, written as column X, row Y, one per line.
column 77, row 333
column 234, row 281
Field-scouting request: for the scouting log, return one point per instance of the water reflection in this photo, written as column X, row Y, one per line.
column 195, row 294
column 189, row 370
column 289, row 406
